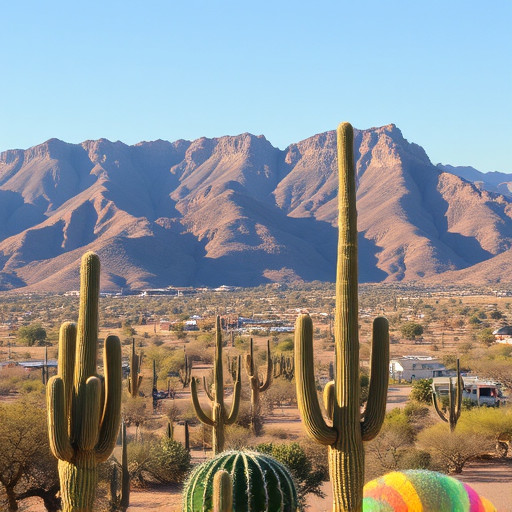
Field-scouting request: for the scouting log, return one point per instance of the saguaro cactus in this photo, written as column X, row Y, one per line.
column 349, row 428
column 135, row 377
column 45, row 370
column 84, row 408
column 185, row 372
column 219, row 417
column 257, row 386
column 454, row 400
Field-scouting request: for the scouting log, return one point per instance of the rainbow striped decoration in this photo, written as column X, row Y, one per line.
column 422, row 491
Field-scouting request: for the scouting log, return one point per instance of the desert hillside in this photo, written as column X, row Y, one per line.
column 236, row 210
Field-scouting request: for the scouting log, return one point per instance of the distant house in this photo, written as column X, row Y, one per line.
column 503, row 335
column 411, row 368
column 190, row 325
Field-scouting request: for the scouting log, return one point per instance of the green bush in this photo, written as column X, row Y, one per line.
column 31, row 334
column 308, row 478
column 170, row 461
column 422, row 391
column 411, row 330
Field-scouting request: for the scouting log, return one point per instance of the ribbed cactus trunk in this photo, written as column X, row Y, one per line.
column 83, row 408
column 346, row 435
column 346, row 460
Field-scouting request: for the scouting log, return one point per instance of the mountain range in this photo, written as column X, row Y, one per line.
column 236, row 210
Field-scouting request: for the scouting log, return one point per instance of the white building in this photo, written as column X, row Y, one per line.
column 416, row 367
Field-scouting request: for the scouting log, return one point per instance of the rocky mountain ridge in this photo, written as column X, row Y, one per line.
column 236, row 210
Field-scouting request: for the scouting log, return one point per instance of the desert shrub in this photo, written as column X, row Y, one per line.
column 237, row 437
column 450, row 451
column 30, row 335
column 411, row 330
column 282, row 392
column 395, row 439
column 308, row 477
column 286, row 345
column 169, row 461
column 415, row 411
column 139, row 462
column 32, row 386
column 422, row 391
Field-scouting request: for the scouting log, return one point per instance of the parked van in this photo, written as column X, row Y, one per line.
column 482, row 392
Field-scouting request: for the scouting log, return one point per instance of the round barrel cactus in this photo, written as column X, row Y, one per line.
column 259, row 484
column 422, row 491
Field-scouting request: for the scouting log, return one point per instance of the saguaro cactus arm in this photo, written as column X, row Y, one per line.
column 111, row 414
column 307, row 399
column 268, row 377
column 206, row 389
column 237, row 392
column 60, row 444
column 203, row 417
column 379, row 377
column 436, row 405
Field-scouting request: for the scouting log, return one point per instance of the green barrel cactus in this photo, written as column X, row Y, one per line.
column 346, row 428
column 219, row 417
column 84, row 408
column 259, row 483
column 454, row 400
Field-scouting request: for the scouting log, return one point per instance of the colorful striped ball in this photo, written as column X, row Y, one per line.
column 422, row 491
column 260, row 484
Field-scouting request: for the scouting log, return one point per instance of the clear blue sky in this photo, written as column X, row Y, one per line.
column 441, row 70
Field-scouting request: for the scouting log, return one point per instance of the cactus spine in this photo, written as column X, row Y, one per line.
column 219, row 417
column 222, row 492
column 257, row 387
column 454, row 400
column 185, row 373
column 348, row 430
column 135, row 377
column 84, row 408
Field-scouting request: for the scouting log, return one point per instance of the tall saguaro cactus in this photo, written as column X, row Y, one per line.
column 347, row 429
column 454, row 400
column 84, row 409
column 257, row 387
column 135, row 377
column 185, row 372
column 219, row 417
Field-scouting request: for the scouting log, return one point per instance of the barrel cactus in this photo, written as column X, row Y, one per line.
column 422, row 491
column 259, row 484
